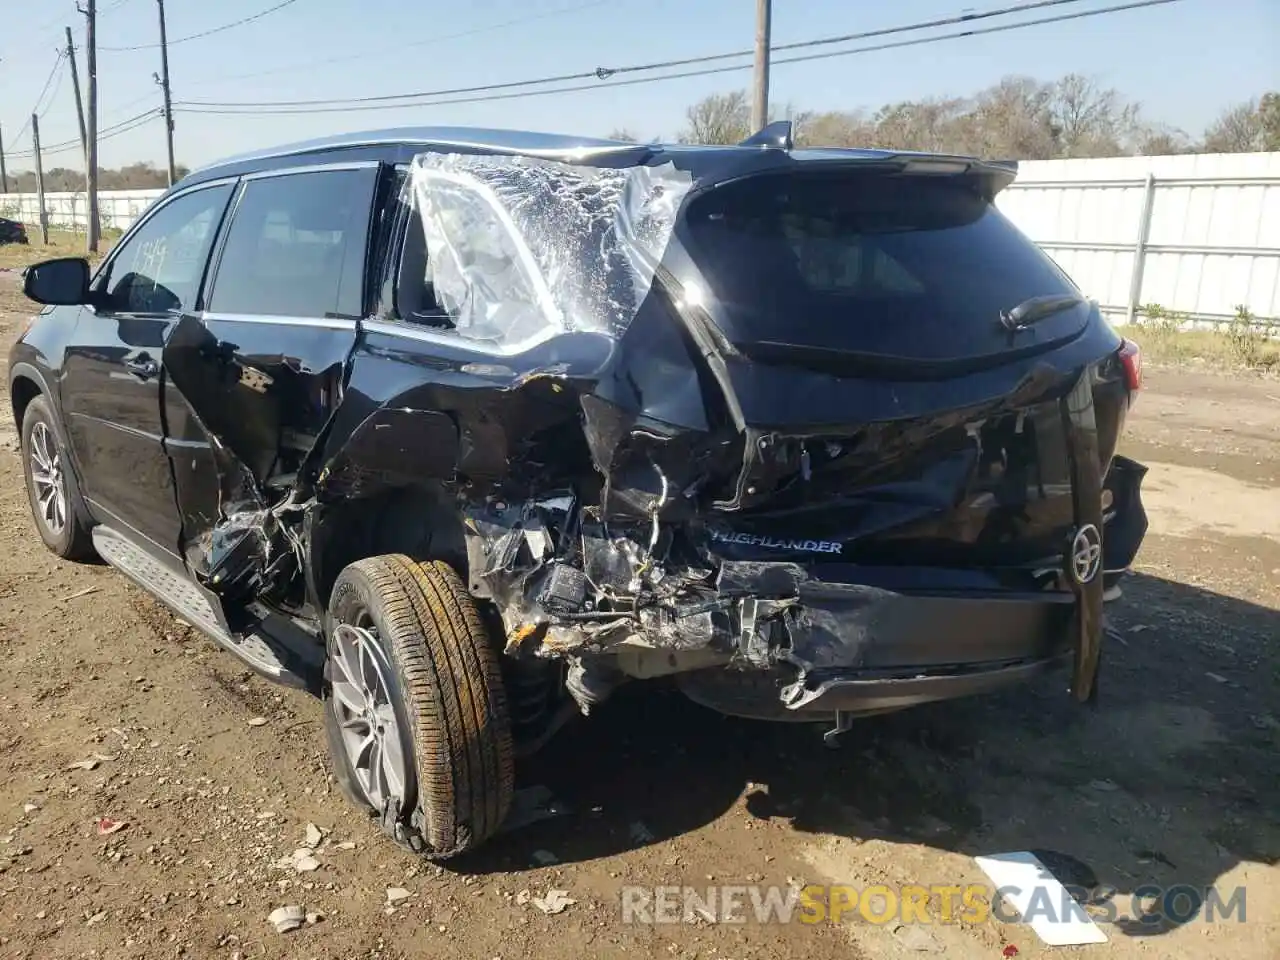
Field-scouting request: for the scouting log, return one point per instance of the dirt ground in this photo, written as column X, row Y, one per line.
column 1173, row 779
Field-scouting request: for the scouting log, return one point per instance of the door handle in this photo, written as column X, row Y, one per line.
column 142, row 366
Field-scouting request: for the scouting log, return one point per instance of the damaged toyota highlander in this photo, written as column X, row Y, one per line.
column 464, row 429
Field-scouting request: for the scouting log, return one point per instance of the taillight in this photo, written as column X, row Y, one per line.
column 1131, row 359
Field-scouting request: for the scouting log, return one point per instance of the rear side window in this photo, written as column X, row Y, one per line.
column 864, row 261
column 296, row 246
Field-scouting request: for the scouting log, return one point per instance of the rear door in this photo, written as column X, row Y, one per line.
column 114, row 375
column 261, row 370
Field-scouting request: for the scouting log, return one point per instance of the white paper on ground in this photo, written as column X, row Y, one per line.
column 1029, row 887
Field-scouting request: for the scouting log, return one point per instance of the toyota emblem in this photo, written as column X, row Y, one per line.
column 1086, row 554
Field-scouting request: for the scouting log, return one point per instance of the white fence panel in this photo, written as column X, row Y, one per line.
column 1199, row 234
column 116, row 208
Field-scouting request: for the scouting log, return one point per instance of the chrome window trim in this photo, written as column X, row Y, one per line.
column 387, row 328
column 456, row 341
column 281, row 320
column 337, row 165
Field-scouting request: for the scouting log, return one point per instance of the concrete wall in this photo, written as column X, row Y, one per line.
column 1199, row 234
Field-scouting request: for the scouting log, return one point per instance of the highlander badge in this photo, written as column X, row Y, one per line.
column 773, row 543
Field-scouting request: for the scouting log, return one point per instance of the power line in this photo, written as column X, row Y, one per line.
column 107, row 131
column 124, row 126
column 49, row 24
column 75, row 145
column 57, row 85
column 151, row 95
column 604, row 73
column 205, row 33
column 57, row 62
column 342, row 106
column 381, row 51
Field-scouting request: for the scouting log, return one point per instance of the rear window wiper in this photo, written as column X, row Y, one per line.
column 1035, row 309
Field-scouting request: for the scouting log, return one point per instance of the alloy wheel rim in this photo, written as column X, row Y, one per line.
column 45, row 461
column 366, row 716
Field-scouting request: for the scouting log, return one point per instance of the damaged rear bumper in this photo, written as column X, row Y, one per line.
column 860, row 693
column 779, row 639
column 876, row 694
column 855, row 649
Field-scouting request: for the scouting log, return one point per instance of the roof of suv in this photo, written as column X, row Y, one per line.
column 401, row 143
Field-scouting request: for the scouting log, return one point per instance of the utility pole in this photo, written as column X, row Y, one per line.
column 75, row 83
column 760, row 102
column 4, row 174
column 90, row 11
column 44, row 216
column 164, row 84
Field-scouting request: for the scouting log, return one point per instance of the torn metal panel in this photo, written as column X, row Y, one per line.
column 392, row 447
column 261, row 411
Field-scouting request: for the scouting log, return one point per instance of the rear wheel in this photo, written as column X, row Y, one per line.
column 51, row 486
column 415, row 713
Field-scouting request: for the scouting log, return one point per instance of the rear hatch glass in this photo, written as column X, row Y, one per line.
column 864, row 265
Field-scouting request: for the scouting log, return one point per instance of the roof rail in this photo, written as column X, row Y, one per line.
column 777, row 134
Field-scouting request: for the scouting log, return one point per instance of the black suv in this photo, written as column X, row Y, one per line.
column 463, row 429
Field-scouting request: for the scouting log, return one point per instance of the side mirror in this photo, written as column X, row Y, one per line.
column 58, row 283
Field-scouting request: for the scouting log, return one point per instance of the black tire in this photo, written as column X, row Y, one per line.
column 73, row 541
column 449, row 702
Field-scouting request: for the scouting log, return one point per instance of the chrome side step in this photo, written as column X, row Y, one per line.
column 269, row 648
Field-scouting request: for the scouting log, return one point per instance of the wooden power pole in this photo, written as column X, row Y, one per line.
column 44, row 216
column 164, row 85
column 75, row 83
column 4, row 174
column 90, row 11
column 760, row 101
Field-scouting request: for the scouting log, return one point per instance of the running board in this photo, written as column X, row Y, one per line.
column 273, row 647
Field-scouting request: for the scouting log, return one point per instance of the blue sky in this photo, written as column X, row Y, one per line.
column 1184, row 62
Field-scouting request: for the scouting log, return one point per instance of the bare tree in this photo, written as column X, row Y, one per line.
column 1019, row 118
column 623, row 134
column 919, row 125
column 1269, row 117
column 134, row 176
column 719, row 118
column 1091, row 120
column 1011, row 120
column 1162, row 141
column 1247, row 127
column 836, row 128
column 1237, row 130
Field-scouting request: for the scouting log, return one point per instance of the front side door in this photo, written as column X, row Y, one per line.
column 113, row 375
